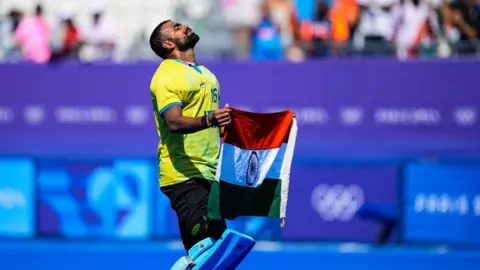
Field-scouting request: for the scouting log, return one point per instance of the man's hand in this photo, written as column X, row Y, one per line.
column 468, row 30
column 457, row 17
column 221, row 117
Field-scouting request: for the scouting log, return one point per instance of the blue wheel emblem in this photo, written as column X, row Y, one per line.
column 252, row 169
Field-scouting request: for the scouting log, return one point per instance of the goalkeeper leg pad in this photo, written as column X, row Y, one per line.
column 225, row 253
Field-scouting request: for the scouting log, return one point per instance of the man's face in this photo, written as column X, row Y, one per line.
column 180, row 36
column 96, row 17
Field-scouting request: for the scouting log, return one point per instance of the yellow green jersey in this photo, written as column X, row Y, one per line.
column 196, row 90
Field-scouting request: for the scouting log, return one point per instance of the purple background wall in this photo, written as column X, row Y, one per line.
column 346, row 109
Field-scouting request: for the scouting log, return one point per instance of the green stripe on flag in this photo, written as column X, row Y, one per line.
column 230, row 201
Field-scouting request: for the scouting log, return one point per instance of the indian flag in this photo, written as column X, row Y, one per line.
column 253, row 173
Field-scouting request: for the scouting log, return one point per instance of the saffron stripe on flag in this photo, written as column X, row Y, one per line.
column 258, row 130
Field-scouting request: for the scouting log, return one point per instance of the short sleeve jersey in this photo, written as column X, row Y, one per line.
column 196, row 90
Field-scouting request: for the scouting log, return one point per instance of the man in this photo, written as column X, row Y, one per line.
column 325, row 32
column 415, row 28
column 98, row 36
column 33, row 37
column 8, row 26
column 466, row 18
column 375, row 27
column 185, row 98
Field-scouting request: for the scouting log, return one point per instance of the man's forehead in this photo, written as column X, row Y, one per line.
column 168, row 26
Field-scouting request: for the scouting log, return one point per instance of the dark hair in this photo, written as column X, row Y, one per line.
column 69, row 22
column 157, row 39
column 38, row 10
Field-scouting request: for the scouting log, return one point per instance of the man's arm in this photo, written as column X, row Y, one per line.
column 468, row 30
column 179, row 124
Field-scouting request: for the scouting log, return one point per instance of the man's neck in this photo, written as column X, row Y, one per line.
column 186, row 56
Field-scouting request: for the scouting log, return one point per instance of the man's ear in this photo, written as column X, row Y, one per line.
column 168, row 45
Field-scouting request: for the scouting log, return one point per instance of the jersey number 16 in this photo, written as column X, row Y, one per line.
column 214, row 95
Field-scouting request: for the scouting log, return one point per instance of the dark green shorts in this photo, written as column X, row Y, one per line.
column 189, row 199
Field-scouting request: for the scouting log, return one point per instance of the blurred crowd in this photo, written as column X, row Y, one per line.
column 30, row 37
column 258, row 29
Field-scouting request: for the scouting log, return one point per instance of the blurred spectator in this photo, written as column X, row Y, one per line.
column 8, row 26
column 305, row 9
column 325, row 33
column 415, row 27
column 207, row 18
column 283, row 14
column 375, row 26
column 242, row 16
column 267, row 43
column 33, row 37
column 140, row 48
column 465, row 17
column 451, row 32
column 350, row 11
column 69, row 41
column 98, row 37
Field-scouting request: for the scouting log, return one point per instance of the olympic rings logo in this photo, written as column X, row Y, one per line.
column 337, row 202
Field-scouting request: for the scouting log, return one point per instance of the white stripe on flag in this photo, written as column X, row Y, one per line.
column 285, row 171
column 238, row 165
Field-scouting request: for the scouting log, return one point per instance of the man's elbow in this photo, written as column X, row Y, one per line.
column 174, row 127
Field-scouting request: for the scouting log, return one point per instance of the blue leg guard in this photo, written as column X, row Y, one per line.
column 226, row 253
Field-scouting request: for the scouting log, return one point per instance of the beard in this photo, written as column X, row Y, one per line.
column 188, row 43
